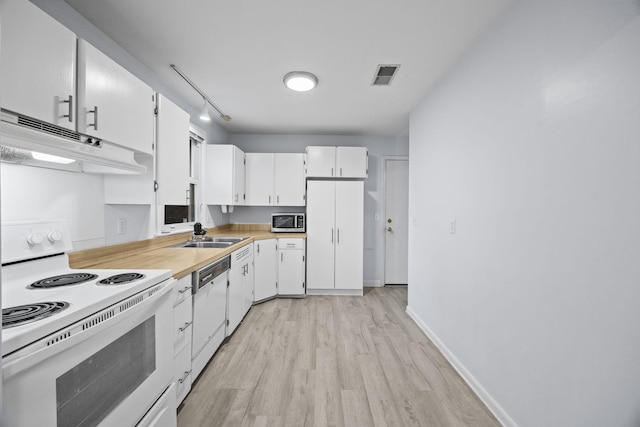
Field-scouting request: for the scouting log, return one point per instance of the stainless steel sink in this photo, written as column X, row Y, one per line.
column 211, row 242
column 201, row 244
column 224, row 239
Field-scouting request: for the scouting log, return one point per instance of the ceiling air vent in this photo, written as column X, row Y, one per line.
column 384, row 74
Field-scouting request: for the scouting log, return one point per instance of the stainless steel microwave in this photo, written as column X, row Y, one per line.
column 287, row 223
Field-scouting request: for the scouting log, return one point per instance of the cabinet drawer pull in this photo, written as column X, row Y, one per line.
column 70, row 102
column 184, row 378
column 186, row 325
column 182, row 291
column 94, row 125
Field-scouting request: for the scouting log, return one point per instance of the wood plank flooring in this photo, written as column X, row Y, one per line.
column 331, row 361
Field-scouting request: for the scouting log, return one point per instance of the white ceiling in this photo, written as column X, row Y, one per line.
column 238, row 51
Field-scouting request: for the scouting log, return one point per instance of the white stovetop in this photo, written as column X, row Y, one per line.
column 25, row 263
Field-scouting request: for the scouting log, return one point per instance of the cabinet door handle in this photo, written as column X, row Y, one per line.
column 338, row 236
column 184, row 378
column 70, row 102
column 186, row 325
column 94, row 125
column 340, row 171
column 281, row 256
column 258, row 245
column 236, row 197
column 331, row 171
column 269, row 198
column 278, row 199
column 185, row 289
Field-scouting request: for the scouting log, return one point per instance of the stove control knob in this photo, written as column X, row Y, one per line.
column 35, row 238
column 54, row 236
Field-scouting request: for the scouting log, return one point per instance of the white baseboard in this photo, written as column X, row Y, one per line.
column 373, row 284
column 482, row 394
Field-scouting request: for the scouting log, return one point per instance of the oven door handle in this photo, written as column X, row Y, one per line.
column 80, row 331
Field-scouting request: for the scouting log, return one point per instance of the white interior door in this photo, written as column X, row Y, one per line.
column 396, row 221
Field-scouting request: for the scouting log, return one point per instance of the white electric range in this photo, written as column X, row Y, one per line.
column 91, row 345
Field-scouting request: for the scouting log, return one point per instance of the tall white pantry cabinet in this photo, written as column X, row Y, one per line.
column 335, row 237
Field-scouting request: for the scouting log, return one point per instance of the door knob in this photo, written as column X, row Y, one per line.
column 390, row 230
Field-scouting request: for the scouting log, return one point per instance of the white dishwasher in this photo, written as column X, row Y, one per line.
column 209, row 312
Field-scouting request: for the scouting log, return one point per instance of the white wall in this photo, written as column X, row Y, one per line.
column 532, row 144
column 378, row 146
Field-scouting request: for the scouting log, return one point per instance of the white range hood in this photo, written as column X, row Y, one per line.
column 90, row 154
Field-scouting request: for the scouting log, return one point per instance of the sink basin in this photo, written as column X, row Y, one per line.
column 224, row 239
column 205, row 244
column 211, row 242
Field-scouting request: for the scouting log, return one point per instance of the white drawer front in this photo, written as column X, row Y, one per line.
column 290, row 244
column 182, row 324
column 181, row 289
column 182, row 374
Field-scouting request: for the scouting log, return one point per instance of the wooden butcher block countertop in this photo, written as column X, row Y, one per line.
column 158, row 253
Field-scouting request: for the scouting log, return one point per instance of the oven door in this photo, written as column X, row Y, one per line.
column 108, row 369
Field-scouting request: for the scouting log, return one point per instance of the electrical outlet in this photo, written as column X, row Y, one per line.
column 122, row 225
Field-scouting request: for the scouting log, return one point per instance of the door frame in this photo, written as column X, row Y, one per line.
column 384, row 211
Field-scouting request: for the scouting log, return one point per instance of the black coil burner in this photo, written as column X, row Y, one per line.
column 21, row 314
column 121, row 279
column 63, row 280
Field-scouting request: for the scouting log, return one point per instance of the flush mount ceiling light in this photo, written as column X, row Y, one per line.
column 300, row 81
column 204, row 115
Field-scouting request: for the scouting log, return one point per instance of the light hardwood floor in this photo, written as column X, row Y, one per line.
column 331, row 361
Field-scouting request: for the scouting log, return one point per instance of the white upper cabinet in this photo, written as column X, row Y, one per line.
column 321, row 162
column 259, row 176
column 172, row 154
column 225, row 171
column 289, row 179
column 38, row 64
column 275, row 179
column 39, row 61
column 113, row 104
column 352, row 162
column 336, row 162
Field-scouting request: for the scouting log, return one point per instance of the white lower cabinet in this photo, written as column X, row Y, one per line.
column 291, row 267
column 265, row 268
column 182, row 328
column 240, row 292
